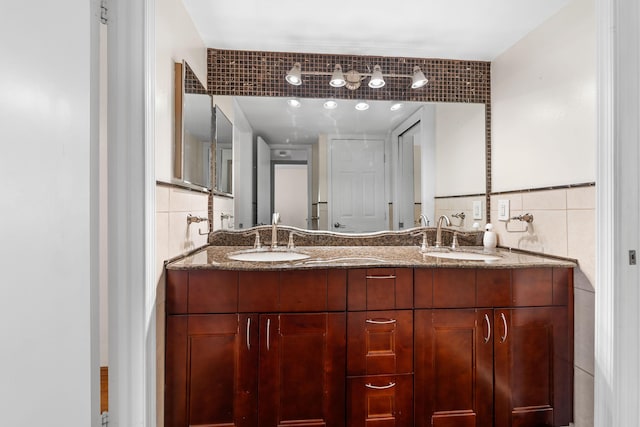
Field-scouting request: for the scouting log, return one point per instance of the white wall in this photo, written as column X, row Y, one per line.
column 242, row 169
column 543, row 104
column 49, row 214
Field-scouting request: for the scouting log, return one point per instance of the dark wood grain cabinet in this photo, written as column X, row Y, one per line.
column 378, row 347
column 502, row 366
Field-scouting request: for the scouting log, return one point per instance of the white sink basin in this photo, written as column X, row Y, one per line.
column 267, row 256
column 465, row 256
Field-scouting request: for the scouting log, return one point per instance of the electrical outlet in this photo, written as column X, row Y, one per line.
column 477, row 209
column 503, row 210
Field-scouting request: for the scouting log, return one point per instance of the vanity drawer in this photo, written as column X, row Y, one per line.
column 380, row 401
column 380, row 289
column 379, row 342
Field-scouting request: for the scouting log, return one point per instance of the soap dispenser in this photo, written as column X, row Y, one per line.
column 490, row 239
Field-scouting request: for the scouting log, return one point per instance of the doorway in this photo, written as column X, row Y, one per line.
column 291, row 193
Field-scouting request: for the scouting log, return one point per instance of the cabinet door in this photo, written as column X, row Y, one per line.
column 532, row 367
column 454, row 368
column 211, row 364
column 302, row 368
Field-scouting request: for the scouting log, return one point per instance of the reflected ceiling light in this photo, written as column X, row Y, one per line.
column 376, row 80
column 294, row 76
column 396, row 106
column 361, row 106
column 337, row 78
column 419, row 78
column 330, row 105
column 294, row 103
column 352, row 79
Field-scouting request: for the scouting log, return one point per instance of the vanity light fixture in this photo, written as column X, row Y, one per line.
column 294, row 103
column 418, row 79
column 361, row 106
column 376, row 80
column 337, row 78
column 330, row 105
column 352, row 79
column 294, row 76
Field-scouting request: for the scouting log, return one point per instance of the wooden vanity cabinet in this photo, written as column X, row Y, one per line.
column 275, row 360
column 505, row 364
column 379, row 347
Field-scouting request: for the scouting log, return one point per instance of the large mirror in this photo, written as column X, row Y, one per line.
column 335, row 167
column 194, row 129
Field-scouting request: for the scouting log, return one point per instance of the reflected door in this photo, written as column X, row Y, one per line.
column 291, row 194
column 357, row 186
column 409, row 176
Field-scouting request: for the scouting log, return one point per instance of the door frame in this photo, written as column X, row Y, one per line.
column 618, row 52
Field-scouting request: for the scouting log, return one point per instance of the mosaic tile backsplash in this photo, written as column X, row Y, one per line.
column 251, row 73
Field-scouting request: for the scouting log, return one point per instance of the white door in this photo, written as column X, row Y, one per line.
column 357, row 186
column 290, row 194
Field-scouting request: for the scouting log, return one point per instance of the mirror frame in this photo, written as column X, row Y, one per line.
column 260, row 73
column 186, row 82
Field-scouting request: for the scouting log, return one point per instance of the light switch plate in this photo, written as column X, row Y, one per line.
column 503, row 210
column 477, row 209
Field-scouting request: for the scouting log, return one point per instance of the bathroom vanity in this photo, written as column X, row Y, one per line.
column 369, row 336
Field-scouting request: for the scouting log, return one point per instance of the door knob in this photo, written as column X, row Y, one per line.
column 338, row 225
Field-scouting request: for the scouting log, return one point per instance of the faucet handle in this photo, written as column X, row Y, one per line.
column 275, row 218
column 454, row 243
column 425, row 243
column 256, row 244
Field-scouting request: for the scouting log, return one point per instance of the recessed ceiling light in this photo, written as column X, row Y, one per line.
column 396, row 106
column 293, row 103
column 361, row 106
column 330, row 105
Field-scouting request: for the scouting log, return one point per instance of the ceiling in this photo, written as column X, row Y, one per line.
column 453, row 29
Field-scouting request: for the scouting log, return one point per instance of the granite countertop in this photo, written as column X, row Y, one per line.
column 215, row 257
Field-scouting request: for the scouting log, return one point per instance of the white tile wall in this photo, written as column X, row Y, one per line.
column 173, row 235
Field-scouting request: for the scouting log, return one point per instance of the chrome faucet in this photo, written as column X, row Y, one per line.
column 275, row 219
column 438, row 242
column 423, row 218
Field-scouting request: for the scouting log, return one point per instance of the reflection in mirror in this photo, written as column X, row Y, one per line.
column 193, row 129
column 365, row 168
column 224, row 153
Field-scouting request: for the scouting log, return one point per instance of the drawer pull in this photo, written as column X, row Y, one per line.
column 506, row 330
column 488, row 337
column 381, row 322
column 391, row 276
column 249, row 333
column 380, row 387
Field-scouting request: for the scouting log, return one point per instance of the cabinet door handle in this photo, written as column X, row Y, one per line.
column 380, row 387
column 391, row 276
column 488, row 337
column 381, row 322
column 249, row 333
column 503, row 338
column 268, row 332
